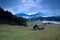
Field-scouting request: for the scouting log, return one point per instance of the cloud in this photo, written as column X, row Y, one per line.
column 51, row 7
column 48, row 7
column 20, row 5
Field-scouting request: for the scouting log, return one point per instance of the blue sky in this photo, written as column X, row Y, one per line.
column 48, row 7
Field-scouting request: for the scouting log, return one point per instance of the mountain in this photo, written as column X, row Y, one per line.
column 38, row 14
column 52, row 18
column 21, row 14
column 24, row 15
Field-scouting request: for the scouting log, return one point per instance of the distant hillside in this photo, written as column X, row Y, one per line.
column 30, row 16
column 39, row 16
column 21, row 14
column 52, row 18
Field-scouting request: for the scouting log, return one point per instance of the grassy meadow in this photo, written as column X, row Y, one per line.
column 15, row 32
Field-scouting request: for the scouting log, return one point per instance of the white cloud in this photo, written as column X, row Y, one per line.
column 31, row 7
column 26, row 6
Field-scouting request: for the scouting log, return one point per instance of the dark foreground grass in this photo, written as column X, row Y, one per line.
column 8, row 32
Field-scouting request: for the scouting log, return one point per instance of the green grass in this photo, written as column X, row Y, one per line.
column 8, row 32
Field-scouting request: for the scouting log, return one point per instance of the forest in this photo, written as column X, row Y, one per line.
column 6, row 17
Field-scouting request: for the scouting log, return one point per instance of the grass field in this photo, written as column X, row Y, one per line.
column 8, row 32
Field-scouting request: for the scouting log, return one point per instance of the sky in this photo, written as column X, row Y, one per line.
column 48, row 7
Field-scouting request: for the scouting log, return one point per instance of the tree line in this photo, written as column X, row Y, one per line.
column 6, row 17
